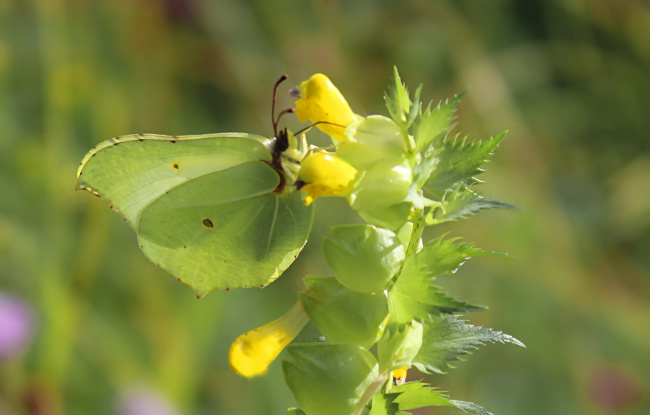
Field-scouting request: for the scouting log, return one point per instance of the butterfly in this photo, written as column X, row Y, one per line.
column 213, row 210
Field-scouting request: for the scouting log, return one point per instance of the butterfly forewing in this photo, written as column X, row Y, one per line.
column 130, row 172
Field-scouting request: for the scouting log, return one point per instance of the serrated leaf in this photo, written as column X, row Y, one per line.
column 446, row 338
column 439, row 257
column 433, row 123
column 412, row 296
column 420, row 302
column 457, row 161
column 413, row 395
column 470, row 407
column 461, row 202
column 415, row 107
column 398, row 102
column 328, row 378
column 344, row 315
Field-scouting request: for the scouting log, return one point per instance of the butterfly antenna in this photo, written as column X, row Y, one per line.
column 319, row 122
column 275, row 94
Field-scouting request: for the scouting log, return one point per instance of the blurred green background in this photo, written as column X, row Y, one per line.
column 568, row 78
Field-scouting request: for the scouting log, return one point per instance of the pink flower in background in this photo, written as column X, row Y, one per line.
column 16, row 325
column 145, row 402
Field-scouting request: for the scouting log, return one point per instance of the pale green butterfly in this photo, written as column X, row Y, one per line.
column 211, row 209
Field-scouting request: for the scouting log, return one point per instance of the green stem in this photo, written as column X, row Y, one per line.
column 374, row 387
column 416, row 233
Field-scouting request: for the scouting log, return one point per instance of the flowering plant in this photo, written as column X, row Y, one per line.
column 233, row 210
column 379, row 312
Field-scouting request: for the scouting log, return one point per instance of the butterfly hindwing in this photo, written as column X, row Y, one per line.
column 203, row 206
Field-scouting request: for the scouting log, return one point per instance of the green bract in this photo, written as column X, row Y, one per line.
column 364, row 258
column 320, row 390
column 372, row 140
column 203, row 207
column 344, row 315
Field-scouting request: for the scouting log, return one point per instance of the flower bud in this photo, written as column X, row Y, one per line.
column 320, row 101
column 252, row 353
column 324, row 174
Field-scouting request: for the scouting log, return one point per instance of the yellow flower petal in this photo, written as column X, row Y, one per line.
column 320, row 101
column 324, row 174
column 252, row 353
column 399, row 376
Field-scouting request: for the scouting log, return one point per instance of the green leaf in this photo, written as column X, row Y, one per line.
column 399, row 345
column 416, row 301
column 439, row 257
column 364, row 258
column 295, row 411
column 412, row 296
column 431, row 124
column 460, row 203
column 411, row 395
column 446, row 338
column 382, row 404
column 470, row 407
column 328, row 378
column 343, row 315
column 203, row 207
column 397, row 99
column 414, row 395
column 457, row 162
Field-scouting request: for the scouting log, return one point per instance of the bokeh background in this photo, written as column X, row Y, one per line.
column 88, row 325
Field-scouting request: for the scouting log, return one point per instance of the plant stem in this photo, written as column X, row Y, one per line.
column 416, row 233
column 370, row 392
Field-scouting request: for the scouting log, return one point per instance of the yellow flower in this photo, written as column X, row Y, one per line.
column 320, row 101
column 399, row 376
column 324, row 174
column 252, row 353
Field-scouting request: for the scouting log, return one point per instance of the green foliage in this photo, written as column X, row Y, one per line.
column 399, row 189
column 457, row 161
column 415, row 395
column 446, row 338
column 433, row 123
column 344, row 315
column 410, row 395
column 413, row 297
column 459, row 203
column 328, row 378
column 399, row 345
column 399, row 104
column 364, row 258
